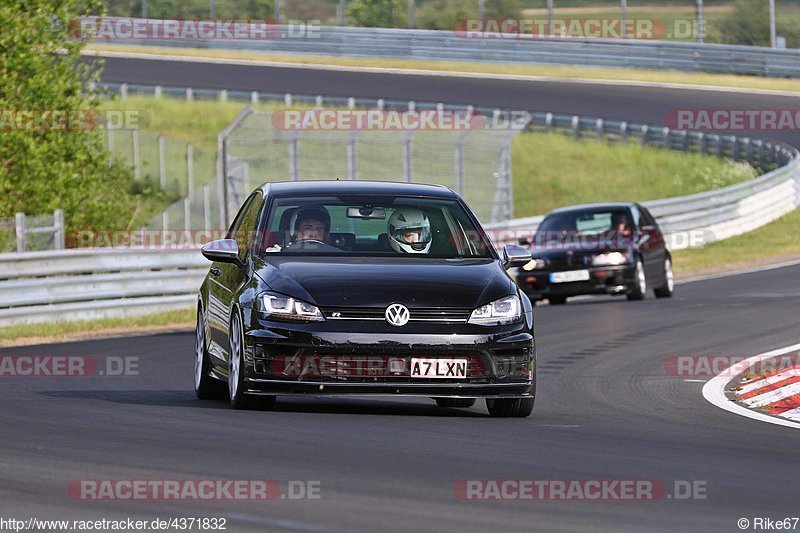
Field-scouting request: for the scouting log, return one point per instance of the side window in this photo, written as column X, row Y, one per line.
column 237, row 221
column 247, row 233
column 645, row 218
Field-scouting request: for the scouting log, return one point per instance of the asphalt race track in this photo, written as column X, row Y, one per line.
column 644, row 104
column 606, row 409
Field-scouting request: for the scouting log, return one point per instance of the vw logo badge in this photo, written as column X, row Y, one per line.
column 397, row 315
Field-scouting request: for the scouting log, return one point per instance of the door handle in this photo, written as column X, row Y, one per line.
column 215, row 271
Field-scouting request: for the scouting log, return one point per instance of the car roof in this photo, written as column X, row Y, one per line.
column 335, row 187
column 592, row 207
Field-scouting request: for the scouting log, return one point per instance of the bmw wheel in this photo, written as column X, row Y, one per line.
column 668, row 288
column 639, row 288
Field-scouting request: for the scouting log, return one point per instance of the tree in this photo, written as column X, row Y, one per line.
column 747, row 23
column 377, row 13
column 54, row 164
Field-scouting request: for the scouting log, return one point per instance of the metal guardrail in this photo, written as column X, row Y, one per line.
column 85, row 284
column 450, row 45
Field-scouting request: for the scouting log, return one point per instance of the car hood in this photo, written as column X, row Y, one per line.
column 377, row 282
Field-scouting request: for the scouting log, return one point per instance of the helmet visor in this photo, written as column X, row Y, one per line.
column 415, row 236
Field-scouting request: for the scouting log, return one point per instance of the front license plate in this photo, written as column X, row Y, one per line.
column 438, row 368
column 570, row 275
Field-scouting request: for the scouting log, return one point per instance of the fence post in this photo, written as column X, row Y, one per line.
column 548, row 122
column 412, row 106
column 703, row 143
column 165, row 220
column 287, row 99
column 157, row 92
column 576, row 127
column 665, row 134
column 60, row 233
column 123, row 92
column 294, row 171
column 318, row 100
column 22, row 233
column 254, row 97
column 351, row 103
column 187, row 214
column 110, row 135
column 598, row 126
column 206, row 207
column 136, row 156
column 189, row 169
column 381, row 104
column 749, row 150
column 162, row 163
column 623, row 132
column 352, row 161
column 189, row 94
column 645, row 133
column 408, row 169
column 223, row 95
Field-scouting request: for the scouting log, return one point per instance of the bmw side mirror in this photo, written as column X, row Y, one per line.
column 223, row 250
column 515, row 256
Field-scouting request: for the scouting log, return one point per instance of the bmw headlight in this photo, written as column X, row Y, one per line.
column 503, row 311
column 535, row 264
column 281, row 307
column 610, row 259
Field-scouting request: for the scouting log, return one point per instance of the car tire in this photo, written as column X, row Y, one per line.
column 638, row 289
column 668, row 288
column 557, row 300
column 240, row 400
column 205, row 386
column 510, row 407
column 455, row 402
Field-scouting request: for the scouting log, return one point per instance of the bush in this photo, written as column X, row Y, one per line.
column 444, row 14
column 377, row 13
column 45, row 168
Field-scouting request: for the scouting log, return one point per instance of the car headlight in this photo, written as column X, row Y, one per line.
column 278, row 306
column 535, row 264
column 610, row 258
column 503, row 311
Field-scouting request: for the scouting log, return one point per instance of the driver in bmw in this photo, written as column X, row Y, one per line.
column 409, row 231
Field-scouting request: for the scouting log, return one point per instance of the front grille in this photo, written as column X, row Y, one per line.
column 417, row 314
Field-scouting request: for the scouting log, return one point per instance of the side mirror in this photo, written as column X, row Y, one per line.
column 223, row 250
column 515, row 256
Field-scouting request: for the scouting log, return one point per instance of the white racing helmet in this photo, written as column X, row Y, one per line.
column 409, row 231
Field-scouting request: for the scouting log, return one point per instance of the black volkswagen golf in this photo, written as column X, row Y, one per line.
column 363, row 288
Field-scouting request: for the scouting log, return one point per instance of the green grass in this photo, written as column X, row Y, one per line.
column 768, row 243
column 552, row 170
column 69, row 330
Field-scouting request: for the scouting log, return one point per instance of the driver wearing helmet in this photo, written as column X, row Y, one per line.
column 409, row 231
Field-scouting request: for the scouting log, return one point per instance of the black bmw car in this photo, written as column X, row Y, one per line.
column 363, row 288
column 614, row 248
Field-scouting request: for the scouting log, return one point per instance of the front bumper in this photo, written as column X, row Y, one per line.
column 602, row 280
column 373, row 358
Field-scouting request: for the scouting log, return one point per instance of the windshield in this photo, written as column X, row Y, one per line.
column 366, row 226
column 586, row 223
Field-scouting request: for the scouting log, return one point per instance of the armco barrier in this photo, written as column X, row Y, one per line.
column 40, row 287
